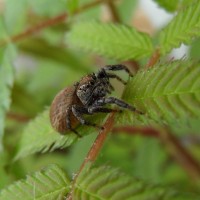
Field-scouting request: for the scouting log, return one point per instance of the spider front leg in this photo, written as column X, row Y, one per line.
column 68, row 123
column 117, row 67
column 78, row 113
column 118, row 102
column 97, row 109
column 110, row 75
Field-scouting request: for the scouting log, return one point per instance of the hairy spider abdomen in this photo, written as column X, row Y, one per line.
column 61, row 108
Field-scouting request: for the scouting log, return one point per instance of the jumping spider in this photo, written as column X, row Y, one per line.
column 87, row 96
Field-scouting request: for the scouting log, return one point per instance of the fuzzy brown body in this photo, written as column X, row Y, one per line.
column 86, row 97
column 60, row 108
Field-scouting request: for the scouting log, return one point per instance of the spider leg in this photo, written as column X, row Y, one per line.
column 68, row 123
column 118, row 102
column 110, row 75
column 117, row 67
column 96, row 109
column 78, row 113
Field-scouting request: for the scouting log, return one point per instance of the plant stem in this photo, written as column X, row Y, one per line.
column 113, row 11
column 50, row 22
column 145, row 131
column 18, row 117
column 154, row 59
column 34, row 29
column 95, row 149
column 180, row 154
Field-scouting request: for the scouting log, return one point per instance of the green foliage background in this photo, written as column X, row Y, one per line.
column 34, row 68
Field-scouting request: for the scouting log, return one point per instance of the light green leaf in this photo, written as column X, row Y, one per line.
column 169, row 6
column 165, row 93
column 107, row 183
column 182, row 29
column 14, row 21
column 126, row 10
column 39, row 136
column 54, row 7
column 50, row 183
column 7, row 56
column 110, row 40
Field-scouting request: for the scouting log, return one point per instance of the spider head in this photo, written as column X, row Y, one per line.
column 93, row 87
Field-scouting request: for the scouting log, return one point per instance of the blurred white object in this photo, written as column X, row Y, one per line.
column 159, row 18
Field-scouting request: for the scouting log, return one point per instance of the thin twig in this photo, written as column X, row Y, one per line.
column 50, row 22
column 95, row 149
column 113, row 11
column 18, row 117
column 145, row 131
column 181, row 154
column 36, row 28
column 173, row 145
column 154, row 59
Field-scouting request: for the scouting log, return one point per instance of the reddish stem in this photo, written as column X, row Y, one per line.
column 173, row 145
column 113, row 11
column 18, row 117
column 145, row 131
column 154, row 59
column 96, row 147
column 50, row 22
column 36, row 28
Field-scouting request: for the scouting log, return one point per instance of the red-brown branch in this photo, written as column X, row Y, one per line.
column 18, row 117
column 50, row 22
column 173, row 145
column 154, row 59
column 96, row 147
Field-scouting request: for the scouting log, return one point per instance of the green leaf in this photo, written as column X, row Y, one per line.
column 111, row 40
column 50, row 183
column 182, row 29
column 165, row 93
column 195, row 49
column 38, row 47
column 54, row 7
column 72, row 5
column 169, row 6
column 7, row 56
column 107, row 183
column 39, row 136
column 15, row 22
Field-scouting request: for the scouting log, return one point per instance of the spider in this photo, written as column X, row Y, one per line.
column 86, row 97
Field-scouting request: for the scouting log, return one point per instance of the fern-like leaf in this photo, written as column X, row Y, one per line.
column 39, row 136
column 182, row 29
column 50, row 183
column 166, row 93
column 111, row 40
column 6, row 81
column 107, row 183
